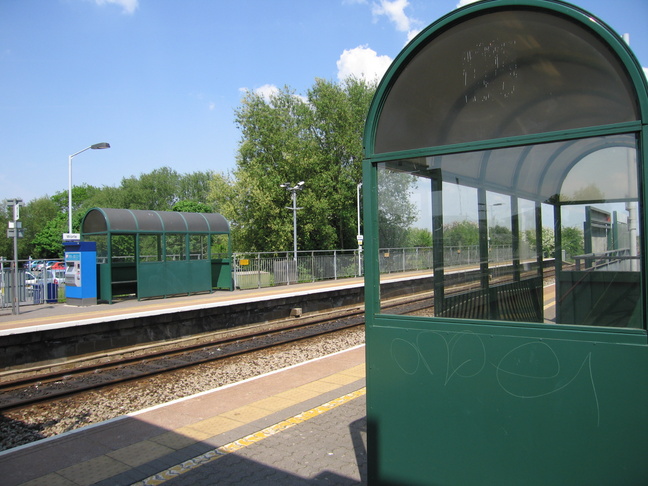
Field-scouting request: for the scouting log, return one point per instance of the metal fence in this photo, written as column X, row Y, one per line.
column 267, row 269
column 38, row 286
column 256, row 270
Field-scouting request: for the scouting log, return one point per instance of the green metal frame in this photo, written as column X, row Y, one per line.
column 459, row 401
column 161, row 278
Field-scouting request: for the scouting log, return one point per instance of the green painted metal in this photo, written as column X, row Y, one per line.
column 166, row 266
column 473, row 402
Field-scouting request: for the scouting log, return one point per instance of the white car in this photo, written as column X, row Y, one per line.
column 53, row 276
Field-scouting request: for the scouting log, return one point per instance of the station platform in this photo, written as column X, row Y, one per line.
column 303, row 425
column 51, row 315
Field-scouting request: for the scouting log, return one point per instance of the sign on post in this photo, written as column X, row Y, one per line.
column 71, row 237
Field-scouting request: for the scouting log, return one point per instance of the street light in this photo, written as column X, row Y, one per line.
column 96, row 146
column 293, row 194
column 491, row 206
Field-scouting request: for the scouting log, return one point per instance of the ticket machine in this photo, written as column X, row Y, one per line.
column 80, row 273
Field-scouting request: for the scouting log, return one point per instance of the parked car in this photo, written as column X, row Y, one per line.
column 59, row 266
column 53, row 276
column 30, row 280
column 32, row 265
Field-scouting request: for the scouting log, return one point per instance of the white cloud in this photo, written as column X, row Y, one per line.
column 646, row 72
column 411, row 34
column 465, row 2
column 395, row 12
column 267, row 91
column 362, row 62
column 128, row 6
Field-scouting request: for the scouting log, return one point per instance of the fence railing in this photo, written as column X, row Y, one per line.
column 255, row 270
column 267, row 269
column 34, row 286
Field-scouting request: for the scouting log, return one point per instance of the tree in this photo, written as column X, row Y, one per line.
column 36, row 216
column 500, row 236
column 6, row 244
column 573, row 241
column 548, row 241
column 48, row 242
column 418, row 237
column 461, row 233
column 395, row 211
column 157, row 190
column 191, row 207
column 289, row 138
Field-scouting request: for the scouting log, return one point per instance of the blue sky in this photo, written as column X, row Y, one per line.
column 160, row 79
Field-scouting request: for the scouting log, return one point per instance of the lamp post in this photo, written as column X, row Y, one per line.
column 491, row 206
column 293, row 193
column 96, row 146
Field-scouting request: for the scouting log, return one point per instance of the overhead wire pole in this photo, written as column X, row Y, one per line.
column 293, row 193
column 15, row 231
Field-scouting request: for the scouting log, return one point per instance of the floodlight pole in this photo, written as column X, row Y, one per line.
column 96, row 146
column 16, row 226
column 293, row 194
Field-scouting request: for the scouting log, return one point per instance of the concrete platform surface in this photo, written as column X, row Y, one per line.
column 302, row 425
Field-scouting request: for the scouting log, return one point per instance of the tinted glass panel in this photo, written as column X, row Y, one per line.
column 176, row 248
column 198, row 247
column 150, row 248
column 504, row 73
column 546, row 233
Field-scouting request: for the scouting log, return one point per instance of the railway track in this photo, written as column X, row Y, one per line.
column 219, row 345
column 48, row 387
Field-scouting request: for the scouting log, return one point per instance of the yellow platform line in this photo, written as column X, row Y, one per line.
column 239, row 444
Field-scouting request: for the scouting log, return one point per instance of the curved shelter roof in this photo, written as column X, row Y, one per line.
column 108, row 220
column 506, row 74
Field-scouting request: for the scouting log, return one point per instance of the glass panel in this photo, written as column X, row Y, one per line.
column 150, row 248
column 219, row 248
column 494, row 254
column 176, row 247
column 198, row 247
column 598, row 279
column 123, row 248
column 102, row 246
column 504, row 73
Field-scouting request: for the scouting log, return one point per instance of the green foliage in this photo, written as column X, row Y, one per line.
column 573, row 241
column 418, row 237
column 500, row 236
column 41, row 218
column 288, row 138
column 6, row 244
column 461, row 233
column 395, row 211
column 191, row 207
column 48, row 242
column 548, row 241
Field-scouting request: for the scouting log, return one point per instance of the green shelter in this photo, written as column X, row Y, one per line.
column 523, row 122
column 158, row 253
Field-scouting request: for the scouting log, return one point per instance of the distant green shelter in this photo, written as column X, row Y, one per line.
column 527, row 119
column 158, row 253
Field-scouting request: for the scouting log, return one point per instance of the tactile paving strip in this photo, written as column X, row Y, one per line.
column 219, row 452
